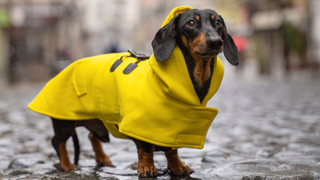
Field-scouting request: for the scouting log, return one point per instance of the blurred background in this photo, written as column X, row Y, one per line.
column 38, row 38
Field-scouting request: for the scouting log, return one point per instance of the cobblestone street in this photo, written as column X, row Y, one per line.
column 265, row 130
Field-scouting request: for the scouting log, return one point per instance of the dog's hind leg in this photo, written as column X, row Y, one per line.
column 175, row 165
column 63, row 130
column 98, row 133
column 101, row 158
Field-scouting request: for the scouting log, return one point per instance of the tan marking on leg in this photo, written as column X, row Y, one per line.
column 146, row 166
column 101, row 158
column 65, row 163
column 176, row 166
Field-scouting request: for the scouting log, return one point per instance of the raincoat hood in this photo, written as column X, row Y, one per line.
column 155, row 103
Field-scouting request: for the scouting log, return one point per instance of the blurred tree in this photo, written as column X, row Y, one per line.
column 4, row 22
column 291, row 42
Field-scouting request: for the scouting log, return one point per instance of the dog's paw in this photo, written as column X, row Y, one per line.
column 104, row 161
column 180, row 169
column 68, row 167
column 147, row 171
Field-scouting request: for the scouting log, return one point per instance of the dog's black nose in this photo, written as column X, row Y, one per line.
column 214, row 43
column 213, row 40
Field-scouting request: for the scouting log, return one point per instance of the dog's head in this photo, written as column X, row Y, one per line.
column 202, row 32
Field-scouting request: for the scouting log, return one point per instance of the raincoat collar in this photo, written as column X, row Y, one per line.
column 174, row 79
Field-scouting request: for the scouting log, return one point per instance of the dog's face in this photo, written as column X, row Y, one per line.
column 202, row 32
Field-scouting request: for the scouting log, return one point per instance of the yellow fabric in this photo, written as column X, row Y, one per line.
column 175, row 11
column 155, row 103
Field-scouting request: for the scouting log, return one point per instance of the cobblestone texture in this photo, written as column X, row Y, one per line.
column 264, row 130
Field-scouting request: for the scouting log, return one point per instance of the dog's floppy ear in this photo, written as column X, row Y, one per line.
column 164, row 41
column 230, row 49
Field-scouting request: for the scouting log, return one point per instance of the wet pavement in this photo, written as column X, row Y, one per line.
column 265, row 130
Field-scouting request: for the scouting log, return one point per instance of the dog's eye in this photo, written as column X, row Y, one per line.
column 218, row 23
column 191, row 23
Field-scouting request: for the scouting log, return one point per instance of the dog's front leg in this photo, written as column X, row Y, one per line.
column 146, row 166
column 175, row 165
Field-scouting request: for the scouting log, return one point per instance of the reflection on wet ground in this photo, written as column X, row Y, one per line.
column 264, row 130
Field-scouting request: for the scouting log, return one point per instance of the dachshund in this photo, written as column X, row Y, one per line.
column 201, row 35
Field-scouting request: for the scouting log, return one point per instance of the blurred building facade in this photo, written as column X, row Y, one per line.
column 39, row 33
column 281, row 35
column 41, row 37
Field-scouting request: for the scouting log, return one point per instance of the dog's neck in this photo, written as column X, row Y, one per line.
column 205, row 72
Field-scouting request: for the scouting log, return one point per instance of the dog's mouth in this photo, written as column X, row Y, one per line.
column 207, row 57
column 206, row 53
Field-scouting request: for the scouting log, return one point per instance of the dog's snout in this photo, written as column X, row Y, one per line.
column 213, row 40
column 214, row 43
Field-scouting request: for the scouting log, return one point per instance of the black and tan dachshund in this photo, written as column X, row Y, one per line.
column 201, row 35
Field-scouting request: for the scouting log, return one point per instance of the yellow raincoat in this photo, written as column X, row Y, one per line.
column 155, row 103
